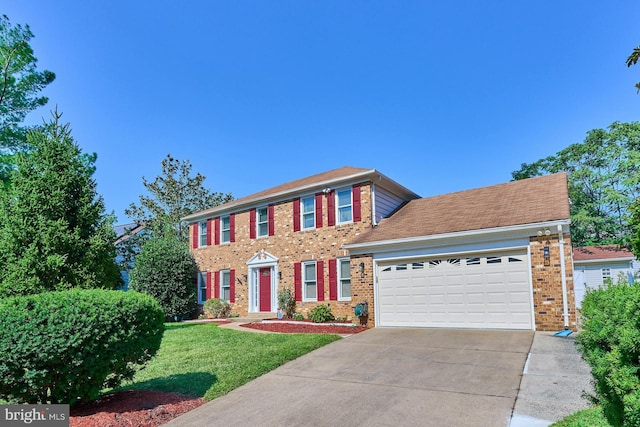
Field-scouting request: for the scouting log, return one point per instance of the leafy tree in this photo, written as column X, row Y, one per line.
column 174, row 195
column 633, row 59
column 20, row 83
column 635, row 226
column 166, row 270
column 604, row 180
column 54, row 233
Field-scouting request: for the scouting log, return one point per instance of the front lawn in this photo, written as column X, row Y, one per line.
column 592, row 417
column 204, row 360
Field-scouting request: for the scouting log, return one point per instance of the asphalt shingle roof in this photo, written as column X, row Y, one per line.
column 589, row 253
column 527, row 201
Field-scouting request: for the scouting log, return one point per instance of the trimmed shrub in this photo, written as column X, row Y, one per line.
column 66, row 346
column 217, row 308
column 166, row 270
column 286, row 302
column 610, row 344
column 321, row 313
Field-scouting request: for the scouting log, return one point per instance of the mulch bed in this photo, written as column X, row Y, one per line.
column 133, row 408
column 304, row 327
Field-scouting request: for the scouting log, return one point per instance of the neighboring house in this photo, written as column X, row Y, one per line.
column 123, row 233
column 593, row 265
column 483, row 258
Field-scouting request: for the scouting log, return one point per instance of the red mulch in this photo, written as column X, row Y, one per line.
column 133, row 409
column 302, row 328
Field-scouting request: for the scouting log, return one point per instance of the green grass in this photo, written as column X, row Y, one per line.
column 207, row 361
column 592, row 417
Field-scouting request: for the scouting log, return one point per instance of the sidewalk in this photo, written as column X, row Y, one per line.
column 553, row 381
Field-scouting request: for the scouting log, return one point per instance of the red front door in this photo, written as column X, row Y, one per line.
column 265, row 289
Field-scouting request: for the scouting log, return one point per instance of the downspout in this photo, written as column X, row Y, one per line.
column 565, row 308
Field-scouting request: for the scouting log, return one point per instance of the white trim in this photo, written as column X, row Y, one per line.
column 563, row 275
column 368, row 175
column 226, row 271
column 222, row 230
column 338, row 277
column 303, row 264
column 200, row 228
column 302, row 213
column 533, row 312
column 202, row 285
column 603, row 260
column 337, row 205
column 419, row 241
column 374, row 220
column 262, row 259
column 257, row 224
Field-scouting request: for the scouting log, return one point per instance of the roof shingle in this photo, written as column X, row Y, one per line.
column 532, row 200
column 590, row 253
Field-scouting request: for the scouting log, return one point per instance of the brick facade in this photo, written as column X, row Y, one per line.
column 288, row 246
column 546, row 279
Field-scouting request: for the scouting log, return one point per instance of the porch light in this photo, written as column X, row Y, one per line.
column 361, row 268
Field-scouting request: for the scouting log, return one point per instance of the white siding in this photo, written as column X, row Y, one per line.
column 385, row 203
column 589, row 276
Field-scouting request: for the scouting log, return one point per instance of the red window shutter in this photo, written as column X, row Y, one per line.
column 208, row 285
column 209, row 231
column 296, row 214
column 194, row 235
column 216, row 231
column 331, row 208
column 232, row 228
column 271, row 221
column 252, row 224
column 320, row 279
column 216, row 284
column 357, row 217
column 232, row 286
column 319, row 210
column 333, row 280
column 297, row 281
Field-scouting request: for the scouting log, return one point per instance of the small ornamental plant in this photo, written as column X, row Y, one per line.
column 286, row 302
column 320, row 314
column 216, row 308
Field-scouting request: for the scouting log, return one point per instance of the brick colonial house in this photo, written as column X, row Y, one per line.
column 483, row 258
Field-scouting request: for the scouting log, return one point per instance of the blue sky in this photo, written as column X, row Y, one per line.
column 439, row 96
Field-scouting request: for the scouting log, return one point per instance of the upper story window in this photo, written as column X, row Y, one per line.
column 225, row 285
column 225, row 229
column 344, row 279
column 309, row 283
column 308, row 212
column 202, row 236
column 344, row 202
column 606, row 274
column 262, row 222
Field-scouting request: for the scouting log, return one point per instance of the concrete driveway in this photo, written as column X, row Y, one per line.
column 421, row 377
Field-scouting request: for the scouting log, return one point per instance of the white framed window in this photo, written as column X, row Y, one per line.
column 308, row 212
column 225, row 285
column 202, row 237
column 344, row 205
column 606, row 274
column 262, row 222
column 202, row 287
column 344, row 280
column 225, row 229
column 309, row 283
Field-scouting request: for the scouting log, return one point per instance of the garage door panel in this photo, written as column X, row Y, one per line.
column 484, row 291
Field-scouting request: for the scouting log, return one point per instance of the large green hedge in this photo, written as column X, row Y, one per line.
column 65, row 347
column 610, row 344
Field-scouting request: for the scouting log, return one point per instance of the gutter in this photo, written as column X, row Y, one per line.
column 381, row 245
column 565, row 308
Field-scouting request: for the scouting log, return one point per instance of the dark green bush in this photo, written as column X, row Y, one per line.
column 166, row 270
column 217, row 308
column 65, row 347
column 610, row 344
column 321, row 313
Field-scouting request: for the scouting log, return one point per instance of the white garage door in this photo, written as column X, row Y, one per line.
column 479, row 291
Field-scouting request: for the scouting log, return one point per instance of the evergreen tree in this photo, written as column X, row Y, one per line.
column 54, row 233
